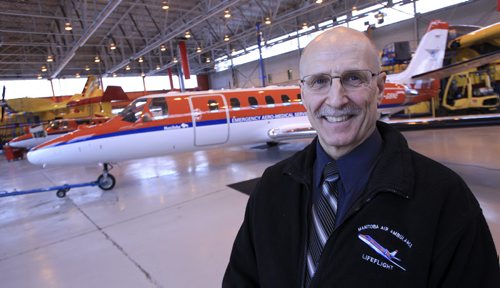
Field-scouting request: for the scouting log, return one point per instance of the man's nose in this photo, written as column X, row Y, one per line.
column 336, row 96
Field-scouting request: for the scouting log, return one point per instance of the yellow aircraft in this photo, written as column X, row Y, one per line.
column 472, row 78
column 26, row 112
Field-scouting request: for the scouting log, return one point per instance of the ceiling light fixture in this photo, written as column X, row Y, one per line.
column 112, row 46
column 39, row 76
column 97, row 59
column 187, row 34
column 87, row 68
column 127, row 67
column 227, row 14
column 77, row 75
column 164, row 5
column 304, row 25
column 319, row 1
column 158, row 67
column 354, row 8
column 208, row 60
column 226, row 38
column 163, row 48
column 380, row 17
column 198, row 50
column 267, row 21
column 140, row 60
column 114, row 75
column 175, row 60
column 44, row 68
column 50, row 58
column 67, row 26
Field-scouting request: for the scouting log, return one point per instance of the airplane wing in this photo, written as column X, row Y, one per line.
column 292, row 132
column 459, row 67
column 34, row 105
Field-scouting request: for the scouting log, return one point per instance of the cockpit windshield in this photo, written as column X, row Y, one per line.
column 133, row 111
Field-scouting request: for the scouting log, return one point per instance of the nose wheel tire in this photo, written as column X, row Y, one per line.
column 106, row 182
column 61, row 193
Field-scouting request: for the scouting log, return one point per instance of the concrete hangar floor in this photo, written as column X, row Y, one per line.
column 170, row 221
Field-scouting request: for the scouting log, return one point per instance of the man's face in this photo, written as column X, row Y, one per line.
column 343, row 118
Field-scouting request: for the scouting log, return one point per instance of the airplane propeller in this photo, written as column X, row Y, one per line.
column 3, row 102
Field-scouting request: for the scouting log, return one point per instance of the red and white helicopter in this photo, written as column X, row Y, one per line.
column 179, row 122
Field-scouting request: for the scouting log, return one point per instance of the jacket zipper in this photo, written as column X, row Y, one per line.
column 305, row 237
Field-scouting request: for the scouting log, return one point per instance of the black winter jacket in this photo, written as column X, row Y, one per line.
column 417, row 224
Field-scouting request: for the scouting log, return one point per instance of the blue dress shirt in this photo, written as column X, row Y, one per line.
column 354, row 168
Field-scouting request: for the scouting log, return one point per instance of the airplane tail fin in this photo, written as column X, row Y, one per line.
column 429, row 54
column 393, row 254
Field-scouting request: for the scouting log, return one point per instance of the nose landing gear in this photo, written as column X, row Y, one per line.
column 106, row 181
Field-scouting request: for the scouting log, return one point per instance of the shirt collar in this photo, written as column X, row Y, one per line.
column 357, row 163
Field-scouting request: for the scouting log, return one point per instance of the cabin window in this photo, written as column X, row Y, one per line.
column 213, row 105
column 269, row 101
column 285, row 99
column 289, row 73
column 253, row 102
column 133, row 111
column 158, row 108
column 299, row 97
column 235, row 103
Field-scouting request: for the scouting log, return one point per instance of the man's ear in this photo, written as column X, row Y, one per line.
column 381, row 86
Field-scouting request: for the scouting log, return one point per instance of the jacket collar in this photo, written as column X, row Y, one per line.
column 393, row 171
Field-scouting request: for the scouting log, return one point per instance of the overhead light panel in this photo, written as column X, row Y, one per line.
column 67, row 26
column 164, row 5
column 227, row 14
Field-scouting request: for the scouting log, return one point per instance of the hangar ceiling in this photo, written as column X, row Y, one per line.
column 144, row 35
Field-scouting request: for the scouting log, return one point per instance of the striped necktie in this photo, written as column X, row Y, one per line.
column 322, row 223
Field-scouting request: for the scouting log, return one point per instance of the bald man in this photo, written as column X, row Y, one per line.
column 357, row 207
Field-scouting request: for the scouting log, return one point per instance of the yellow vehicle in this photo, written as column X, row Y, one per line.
column 471, row 91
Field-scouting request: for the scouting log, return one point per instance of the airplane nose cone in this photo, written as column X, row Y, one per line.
column 35, row 157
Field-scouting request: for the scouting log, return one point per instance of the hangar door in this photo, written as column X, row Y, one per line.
column 210, row 119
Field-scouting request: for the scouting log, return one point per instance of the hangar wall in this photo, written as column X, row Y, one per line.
column 480, row 12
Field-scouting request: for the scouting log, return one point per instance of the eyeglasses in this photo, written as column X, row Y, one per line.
column 350, row 80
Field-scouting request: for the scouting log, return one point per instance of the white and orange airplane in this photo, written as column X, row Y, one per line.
column 171, row 123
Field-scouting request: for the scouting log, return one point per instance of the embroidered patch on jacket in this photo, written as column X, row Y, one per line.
column 384, row 258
